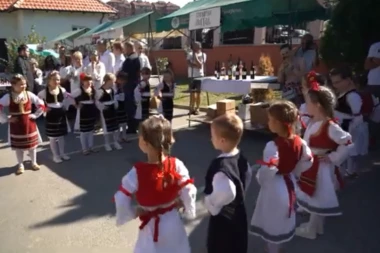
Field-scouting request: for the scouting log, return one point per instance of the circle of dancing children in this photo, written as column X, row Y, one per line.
column 227, row 179
column 330, row 146
column 56, row 123
column 284, row 159
column 23, row 134
column 161, row 185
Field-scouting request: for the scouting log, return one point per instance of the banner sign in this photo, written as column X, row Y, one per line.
column 204, row 19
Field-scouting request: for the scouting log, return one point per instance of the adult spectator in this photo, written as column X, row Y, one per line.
column 96, row 70
column 22, row 66
column 196, row 61
column 131, row 67
column 290, row 74
column 308, row 51
column 372, row 64
column 144, row 60
column 117, row 49
column 37, row 73
column 106, row 56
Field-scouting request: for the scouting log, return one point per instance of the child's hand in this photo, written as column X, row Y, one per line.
column 140, row 211
column 159, row 94
column 12, row 119
column 324, row 158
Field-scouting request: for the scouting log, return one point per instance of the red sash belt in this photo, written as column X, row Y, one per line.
column 288, row 182
column 155, row 214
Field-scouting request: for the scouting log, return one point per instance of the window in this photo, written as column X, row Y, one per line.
column 77, row 27
column 239, row 37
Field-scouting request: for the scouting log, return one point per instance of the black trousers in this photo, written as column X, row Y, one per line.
column 130, row 107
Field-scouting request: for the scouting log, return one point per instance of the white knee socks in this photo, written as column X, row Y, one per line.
column 61, row 145
column 87, row 140
column 20, row 158
column 124, row 131
column 33, row 156
column 316, row 223
column 53, row 147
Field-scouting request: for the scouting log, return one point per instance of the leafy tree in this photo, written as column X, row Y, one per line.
column 32, row 38
column 352, row 28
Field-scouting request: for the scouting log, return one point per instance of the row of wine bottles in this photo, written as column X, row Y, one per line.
column 240, row 73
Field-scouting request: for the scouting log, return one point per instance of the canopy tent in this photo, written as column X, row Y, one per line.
column 87, row 36
column 140, row 23
column 38, row 50
column 69, row 36
column 241, row 14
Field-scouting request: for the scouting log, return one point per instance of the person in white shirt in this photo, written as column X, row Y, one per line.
column 196, row 61
column 144, row 60
column 117, row 49
column 308, row 51
column 37, row 72
column 106, row 56
column 75, row 70
column 96, row 70
column 372, row 64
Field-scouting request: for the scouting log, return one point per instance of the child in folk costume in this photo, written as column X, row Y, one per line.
column 122, row 119
column 87, row 112
column 285, row 158
column 75, row 71
column 22, row 130
column 142, row 96
column 161, row 185
column 350, row 111
column 330, row 145
column 108, row 116
column 227, row 179
column 165, row 92
column 56, row 124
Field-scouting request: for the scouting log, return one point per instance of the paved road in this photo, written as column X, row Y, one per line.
column 67, row 208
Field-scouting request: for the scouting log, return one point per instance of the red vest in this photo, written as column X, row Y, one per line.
column 151, row 191
column 319, row 140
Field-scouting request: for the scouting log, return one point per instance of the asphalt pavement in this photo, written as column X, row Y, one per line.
column 67, row 208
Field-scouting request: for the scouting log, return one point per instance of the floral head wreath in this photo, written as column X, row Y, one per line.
column 311, row 79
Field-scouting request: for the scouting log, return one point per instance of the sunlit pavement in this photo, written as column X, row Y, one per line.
column 67, row 208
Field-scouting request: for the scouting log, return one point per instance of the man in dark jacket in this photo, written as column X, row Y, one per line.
column 131, row 66
column 23, row 67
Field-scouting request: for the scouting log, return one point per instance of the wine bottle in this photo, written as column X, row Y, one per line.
column 237, row 70
column 223, row 70
column 252, row 72
column 230, row 73
column 216, row 73
column 244, row 72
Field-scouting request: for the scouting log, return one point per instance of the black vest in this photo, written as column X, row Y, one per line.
column 343, row 107
column 49, row 98
column 145, row 89
column 84, row 96
column 106, row 97
column 166, row 88
column 231, row 221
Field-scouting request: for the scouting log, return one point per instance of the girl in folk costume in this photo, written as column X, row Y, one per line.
column 165, row 91
column 75, row 70
column 285, row 158
column 161, row 185
column 108, row 115
column 56, row 124
column 350, row 111
column 87, row 112
column 23, row 131
column 122, row 119
column 96, row 70
column 142, row 96
column 227, row 179
column 330, row 145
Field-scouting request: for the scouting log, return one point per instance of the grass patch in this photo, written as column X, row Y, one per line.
column 182, row 96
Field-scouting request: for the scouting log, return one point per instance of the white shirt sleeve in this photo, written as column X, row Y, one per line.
column 373, row 51
column 4, row 102
column 224, row 192
column 344, row 140
column 354, row 101
column 188, row 193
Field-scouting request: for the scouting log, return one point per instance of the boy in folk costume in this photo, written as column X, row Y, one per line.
column 227, row 179
column 350, row 111
column 56, row 124
column 165, row 91
column 330, row 145
column 161, row 185
column 285, row 158
column 142, row 96
column 122, row 118
column 23, row 131
column 87, row 112
column 108, row 116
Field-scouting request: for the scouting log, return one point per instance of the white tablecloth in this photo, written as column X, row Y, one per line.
column 211, row 84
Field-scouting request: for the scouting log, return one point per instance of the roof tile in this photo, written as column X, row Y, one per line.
column 57, row 5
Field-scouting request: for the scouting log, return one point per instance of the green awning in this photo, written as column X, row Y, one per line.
column 182, row 15
column 96, row 29
column 70, row 35
column 140, row 23
column 244, row 14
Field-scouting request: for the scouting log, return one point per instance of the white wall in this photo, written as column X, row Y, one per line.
column 47, row 23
